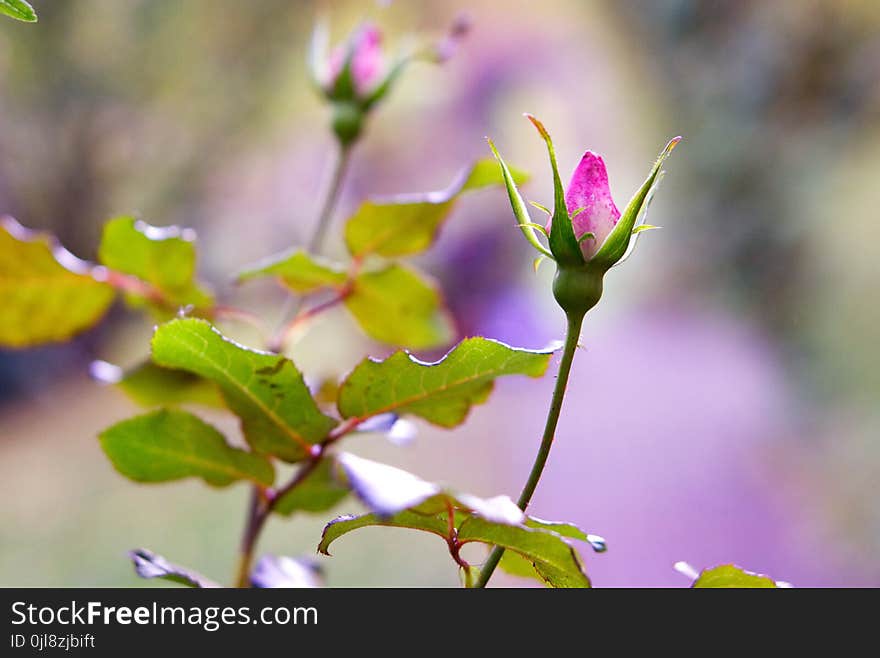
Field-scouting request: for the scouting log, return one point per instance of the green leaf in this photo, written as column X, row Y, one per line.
column 485, row 173
column 266, row 391
column 299, row 271
column 149, row 565
column 441, row 392
column 163, row 257
column 516, row 565
column 18, row 9
column 555, row 561
column 732, row 576
column 345, row 524
column 150, row 385
column 399, row 306
column 570, row 531
column 318, row 492
column 547, row 554
column 172, row 444
column 409, row 224
column 400, row 499
column 46, row 293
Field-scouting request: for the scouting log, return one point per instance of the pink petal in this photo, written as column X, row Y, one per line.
column 589, row 190
column 367, row 62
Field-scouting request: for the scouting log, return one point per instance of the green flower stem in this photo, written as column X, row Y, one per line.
column 575, row 321
column 258, row 508
column 316, row 242
column 293, row 306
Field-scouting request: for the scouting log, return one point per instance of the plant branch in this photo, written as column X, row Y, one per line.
column 132, row 285
column 571, row 342
column 260, row 509
column 253, row 526
column 262, row 503
column 452, row 539
column 282, row 336
column 232, row 313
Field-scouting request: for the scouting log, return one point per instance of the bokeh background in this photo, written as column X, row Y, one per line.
column 724, row 407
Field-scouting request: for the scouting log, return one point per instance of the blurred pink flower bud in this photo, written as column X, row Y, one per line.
column 367, row 60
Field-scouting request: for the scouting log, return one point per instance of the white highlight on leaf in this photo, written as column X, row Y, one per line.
column 165, row 232
column 282, row 571
column 105, row 372
column 386, row 490
column 499, row 509
column 686, row 569
column 397, row 430
column 402, row 433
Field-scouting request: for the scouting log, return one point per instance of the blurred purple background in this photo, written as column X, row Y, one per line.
column 724, row 405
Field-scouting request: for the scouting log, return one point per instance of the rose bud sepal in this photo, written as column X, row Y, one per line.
column 615, row 246
column 563, row 242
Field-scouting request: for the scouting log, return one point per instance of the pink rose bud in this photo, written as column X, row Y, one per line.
column 586, row 234
column 589, row 203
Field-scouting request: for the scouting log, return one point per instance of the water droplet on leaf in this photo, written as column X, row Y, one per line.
column 598, row 543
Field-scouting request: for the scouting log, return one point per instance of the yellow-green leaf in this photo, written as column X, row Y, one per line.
column 172, row 444
column 408, row 224
column 163, row 257
column 732, row 576
column 300, row 271
column 400, row 306
column 46, row 293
